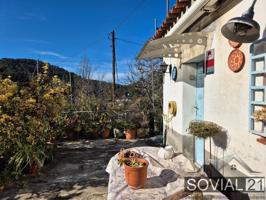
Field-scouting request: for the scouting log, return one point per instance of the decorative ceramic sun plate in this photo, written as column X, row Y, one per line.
column 236, row 60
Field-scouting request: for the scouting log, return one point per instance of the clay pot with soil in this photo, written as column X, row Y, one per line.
column 2, row 188
column 130, row 134
column 135, row 168
column 136, row 172
column 34, row 168
column 105, row 133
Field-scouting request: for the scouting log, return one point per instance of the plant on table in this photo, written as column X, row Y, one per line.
column 135, row 168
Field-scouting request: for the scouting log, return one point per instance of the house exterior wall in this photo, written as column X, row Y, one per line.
column 227, row 93
column 182, row 91
column 226, row 96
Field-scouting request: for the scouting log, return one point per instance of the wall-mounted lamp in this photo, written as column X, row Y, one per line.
column 164, row 67
column 242, row 29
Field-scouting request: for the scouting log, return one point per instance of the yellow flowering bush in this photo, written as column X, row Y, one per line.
column 30, row 118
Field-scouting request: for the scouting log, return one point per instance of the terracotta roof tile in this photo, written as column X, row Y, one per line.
column 171, row 18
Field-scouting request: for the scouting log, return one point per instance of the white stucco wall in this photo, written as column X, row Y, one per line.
column 226, row 94
column 183, row 92
column 173, row 91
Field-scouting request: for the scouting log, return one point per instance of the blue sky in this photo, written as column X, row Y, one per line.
column 63, row 31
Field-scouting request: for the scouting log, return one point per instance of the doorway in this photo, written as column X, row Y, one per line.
column 199, row 142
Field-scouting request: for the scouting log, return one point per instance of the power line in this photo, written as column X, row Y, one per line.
column 140, row 3
column 84, row 49
column 130, row 42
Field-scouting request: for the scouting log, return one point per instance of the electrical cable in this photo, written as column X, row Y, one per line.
column 140, row 3
column 129, row 42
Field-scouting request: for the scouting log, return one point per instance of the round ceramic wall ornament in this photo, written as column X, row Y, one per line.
column 236, row 60
column 234, row 44
column 174, row 73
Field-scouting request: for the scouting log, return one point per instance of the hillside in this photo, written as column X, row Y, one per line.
column 23, row 70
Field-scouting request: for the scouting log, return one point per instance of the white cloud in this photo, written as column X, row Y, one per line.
column 37, row 41
column 31, row 16
column 51, row 53
column 125, row 62
column 107, row 76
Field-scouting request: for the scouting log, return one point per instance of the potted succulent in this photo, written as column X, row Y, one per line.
column 135, row 168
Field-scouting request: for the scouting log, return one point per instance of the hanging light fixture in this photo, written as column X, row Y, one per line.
column 242, row 29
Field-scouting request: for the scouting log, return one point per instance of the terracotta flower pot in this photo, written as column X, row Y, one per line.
column 130, row 134
column 34, row 169
column 136, row 176
column 105, row 133
column 2, row 188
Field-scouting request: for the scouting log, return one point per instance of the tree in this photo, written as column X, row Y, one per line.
column 146, row 81
column 85, row 68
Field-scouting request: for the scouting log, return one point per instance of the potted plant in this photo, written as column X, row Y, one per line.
column 130, row 130
column 204, row 129
column 105, row 123
column 2, row 175
column 260, row 115
column 135, row 168
column 29, row 158
column 2, row 187
column 106, row 131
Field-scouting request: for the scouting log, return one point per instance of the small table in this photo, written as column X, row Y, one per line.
column 165, row 177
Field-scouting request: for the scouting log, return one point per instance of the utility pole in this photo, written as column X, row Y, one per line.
column 155, row 25
column 167, row 7
column 113, row 65
column 71, row 91
column 37, row 67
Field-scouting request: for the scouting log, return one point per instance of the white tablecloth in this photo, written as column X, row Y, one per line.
column 165, row 177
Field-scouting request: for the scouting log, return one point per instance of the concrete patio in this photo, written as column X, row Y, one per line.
column 77, row 172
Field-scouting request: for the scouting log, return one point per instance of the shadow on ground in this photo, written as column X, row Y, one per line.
column 77, row 172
